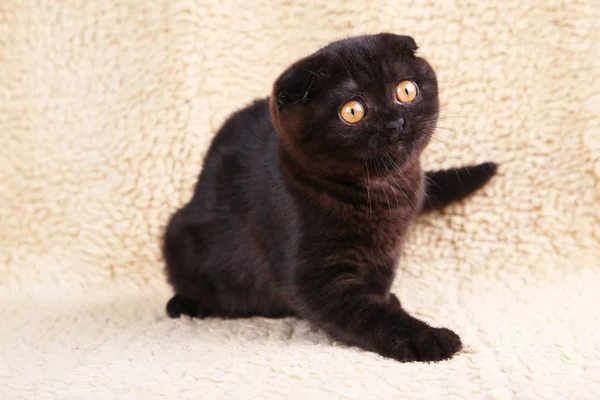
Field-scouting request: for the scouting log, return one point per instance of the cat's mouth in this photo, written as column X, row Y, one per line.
column 383, row 164
column 396, row 154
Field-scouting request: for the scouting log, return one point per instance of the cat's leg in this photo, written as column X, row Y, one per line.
column 336, row 299
column 448, row 186
column 200, row 275
column 185, row 252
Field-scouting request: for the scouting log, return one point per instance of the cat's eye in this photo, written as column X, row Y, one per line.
column 352, row 112
column 406, row 91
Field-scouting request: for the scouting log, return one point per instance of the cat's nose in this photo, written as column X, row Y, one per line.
column 396, row 126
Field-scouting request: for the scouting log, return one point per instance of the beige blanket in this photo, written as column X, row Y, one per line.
column 107, row 108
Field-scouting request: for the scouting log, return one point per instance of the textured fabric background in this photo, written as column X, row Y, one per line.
column 107, row 108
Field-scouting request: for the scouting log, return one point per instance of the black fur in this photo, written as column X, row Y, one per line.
column 297, row 213
column 451, row 185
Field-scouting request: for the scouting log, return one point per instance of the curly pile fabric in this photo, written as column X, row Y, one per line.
column 106, row 111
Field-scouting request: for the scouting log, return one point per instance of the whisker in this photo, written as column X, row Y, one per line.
column 432, row 182
column 455, row 171
column 391, row 176
column 455, row 130
column 367, row 183
column 434, row 141
column 464, row 116
column 383, row 187
column 420, row 186
column 456, row 133
column 443, row 134
column 395, row 166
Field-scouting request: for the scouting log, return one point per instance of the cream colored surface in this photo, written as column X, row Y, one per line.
column 107, row 108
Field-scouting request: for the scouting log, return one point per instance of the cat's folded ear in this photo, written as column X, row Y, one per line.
column 400, row 43
column 300, row 82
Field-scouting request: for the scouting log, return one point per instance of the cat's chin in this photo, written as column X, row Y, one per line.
column 411, row 149
column 400, row 153
column 405, row 156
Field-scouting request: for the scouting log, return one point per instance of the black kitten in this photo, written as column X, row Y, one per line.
column 303, row 203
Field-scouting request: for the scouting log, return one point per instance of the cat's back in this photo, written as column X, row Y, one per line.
column 246, row 130
column 236, row 153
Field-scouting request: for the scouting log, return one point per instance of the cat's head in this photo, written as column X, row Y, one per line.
column 357, row 100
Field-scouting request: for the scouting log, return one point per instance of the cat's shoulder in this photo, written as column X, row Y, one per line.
column 252, row 120
column 256, row 110
column 247, row 128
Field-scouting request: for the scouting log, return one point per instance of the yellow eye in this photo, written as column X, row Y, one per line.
column 352, row 112
column 406, row 91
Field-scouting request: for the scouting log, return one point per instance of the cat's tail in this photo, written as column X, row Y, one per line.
column 448, row 186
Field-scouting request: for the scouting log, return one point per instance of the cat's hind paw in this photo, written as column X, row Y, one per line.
column 179, row 305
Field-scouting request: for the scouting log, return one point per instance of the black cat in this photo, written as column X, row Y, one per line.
column 304, row 200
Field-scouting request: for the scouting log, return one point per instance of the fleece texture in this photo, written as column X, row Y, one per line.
column 107, row 109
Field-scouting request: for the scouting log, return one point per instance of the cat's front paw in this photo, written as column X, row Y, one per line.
column 434, row 344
